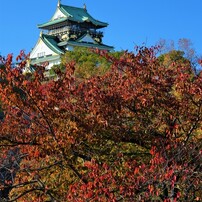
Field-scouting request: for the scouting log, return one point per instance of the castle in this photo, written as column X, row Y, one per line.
column 69, row 27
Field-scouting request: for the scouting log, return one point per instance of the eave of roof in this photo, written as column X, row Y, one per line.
column 44, row 59
column 52, row 22
column 51, row 42
column 90, row 45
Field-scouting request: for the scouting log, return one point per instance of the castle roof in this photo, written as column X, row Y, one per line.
column 57, row 46
column 74, row 14
column 90, row 45
column 52, row 22
column 51, row 42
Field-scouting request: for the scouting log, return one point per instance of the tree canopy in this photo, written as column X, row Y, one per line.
column 131, row 133
column 87, row 62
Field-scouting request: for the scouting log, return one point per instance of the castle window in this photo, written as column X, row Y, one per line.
column 41, row 54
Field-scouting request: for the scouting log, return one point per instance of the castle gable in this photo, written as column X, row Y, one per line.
column 58, row 14
column 86, row 38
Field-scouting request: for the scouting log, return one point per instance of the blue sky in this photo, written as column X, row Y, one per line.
column 131, row 22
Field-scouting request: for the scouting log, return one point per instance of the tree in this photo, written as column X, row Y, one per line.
column 87, row 62
column 173, row 56
column 132, row 133
column 184, row 50
column 9, row 167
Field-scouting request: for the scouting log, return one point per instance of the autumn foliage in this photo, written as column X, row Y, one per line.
column 130, row 134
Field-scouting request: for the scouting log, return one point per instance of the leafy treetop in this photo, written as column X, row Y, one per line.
column 132, row 133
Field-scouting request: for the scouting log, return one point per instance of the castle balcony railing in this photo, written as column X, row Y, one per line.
column 65, row 29
column 75, row 30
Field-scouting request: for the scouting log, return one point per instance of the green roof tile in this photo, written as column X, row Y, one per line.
column 80, row 15
column 51, row 42
column 75, row 14
column 52, row 22
column 91, row 45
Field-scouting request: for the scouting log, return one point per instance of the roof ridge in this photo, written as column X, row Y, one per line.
column 72, row 7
